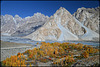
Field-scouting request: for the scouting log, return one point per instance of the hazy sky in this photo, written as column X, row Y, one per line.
column 28, row 8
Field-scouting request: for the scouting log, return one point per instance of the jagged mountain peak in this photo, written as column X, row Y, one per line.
column 56, row 28
column 17, row 26
column 27, row 17
column 61, row 8
column 62, row 11
column 81, row 8
column 91, row 10
column 62, row 26
column 38, row 13
column 89, row 17
column 16, row 16
column 7, row 15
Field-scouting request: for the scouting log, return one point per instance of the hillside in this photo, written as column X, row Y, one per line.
column 63, row 26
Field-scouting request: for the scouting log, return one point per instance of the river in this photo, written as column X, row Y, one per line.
column 29, row 41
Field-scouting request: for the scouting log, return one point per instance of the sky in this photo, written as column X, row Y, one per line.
column 28, row 8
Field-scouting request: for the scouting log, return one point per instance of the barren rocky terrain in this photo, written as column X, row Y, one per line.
column 61, row 26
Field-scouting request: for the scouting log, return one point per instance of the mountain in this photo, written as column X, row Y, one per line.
column 64, row 26
column 17, row 26
column 31, row 24
column 8, row 24
column 89, row 17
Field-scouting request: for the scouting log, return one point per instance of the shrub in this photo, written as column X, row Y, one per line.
column 85, row 54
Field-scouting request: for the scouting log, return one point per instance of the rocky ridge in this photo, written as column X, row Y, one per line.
column 89, row 17
column 63, row 26
column 17, row 26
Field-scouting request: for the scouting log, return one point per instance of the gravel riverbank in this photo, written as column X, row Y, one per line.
column 7, row 52
column 87, row 62
column 10, row 48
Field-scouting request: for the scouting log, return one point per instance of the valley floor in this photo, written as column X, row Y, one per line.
column 12, row 44
column 10, row 48
column 49, row 54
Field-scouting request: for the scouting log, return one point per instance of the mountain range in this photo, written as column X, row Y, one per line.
column 62, row 26
column 17, row 26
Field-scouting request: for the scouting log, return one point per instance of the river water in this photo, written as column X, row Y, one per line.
column 29, row 41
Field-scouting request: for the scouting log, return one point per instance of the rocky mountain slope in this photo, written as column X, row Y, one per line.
column 89, row 17
column 17, row 26
column 8, row 25
column 63, row 26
